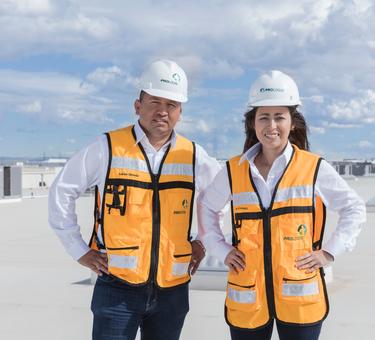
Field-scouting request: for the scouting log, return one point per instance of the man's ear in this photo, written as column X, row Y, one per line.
column 137, row 104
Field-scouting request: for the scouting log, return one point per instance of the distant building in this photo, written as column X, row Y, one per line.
column 10, row 182
column 354, row 167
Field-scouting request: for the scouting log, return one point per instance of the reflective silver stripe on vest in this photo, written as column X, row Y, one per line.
column 122, row 261
column 245, row 198
column 302, row 191
column 300, row 289
column 129, row 163
column 242, row 296
column 177, row 169
column 180, row 268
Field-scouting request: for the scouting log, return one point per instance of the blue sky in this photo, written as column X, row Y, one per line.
column 68, row 68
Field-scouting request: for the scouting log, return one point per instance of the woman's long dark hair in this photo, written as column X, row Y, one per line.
column 297, row 136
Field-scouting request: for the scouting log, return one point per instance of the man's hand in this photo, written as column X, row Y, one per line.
column 235, row 261
column 314, row 260
column 96, row 261
column 197, row 254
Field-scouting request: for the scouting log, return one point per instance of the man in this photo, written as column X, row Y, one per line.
column 145, row 177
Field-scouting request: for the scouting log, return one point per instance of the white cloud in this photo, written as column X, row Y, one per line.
column 315, row 99
column 25, row 6
column 71, row 140
column 364, row 144
column 64, row 97
column 318, row 130
column 34, row 107
column 192, row 126
column 360, row 109
column 333, row 125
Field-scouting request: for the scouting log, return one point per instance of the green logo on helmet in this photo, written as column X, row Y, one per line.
column 176, row 77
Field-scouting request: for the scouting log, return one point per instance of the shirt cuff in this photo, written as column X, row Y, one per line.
column 334, row 246
column 222, row 250
column 78, row 249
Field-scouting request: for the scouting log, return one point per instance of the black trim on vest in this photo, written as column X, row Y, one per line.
column 177, row 184
column 313, row 197
column 292, row 210
column 234, row 226
column 235, row 284
column 155, row 242
column 155, row 187
column 96, row 218
column 106, row 179
column 250, row 215
column 130, row 183
column 184, row 185
column 267, row 241
column 318, row 244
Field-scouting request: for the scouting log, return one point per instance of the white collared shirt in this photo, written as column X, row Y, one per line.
column 88, row 168
column 334, row 191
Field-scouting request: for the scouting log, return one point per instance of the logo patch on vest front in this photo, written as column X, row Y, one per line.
column 301, row 230
column 185, row 205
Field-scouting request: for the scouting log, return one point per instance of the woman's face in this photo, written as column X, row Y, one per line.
column 272, row 126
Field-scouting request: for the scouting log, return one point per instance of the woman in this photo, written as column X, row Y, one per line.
column 278, row 192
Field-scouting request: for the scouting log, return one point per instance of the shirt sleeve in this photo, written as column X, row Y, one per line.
column 338, row 196
column 84, row 170
column 210, row 208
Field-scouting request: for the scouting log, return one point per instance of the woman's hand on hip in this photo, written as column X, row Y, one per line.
column 313, row 261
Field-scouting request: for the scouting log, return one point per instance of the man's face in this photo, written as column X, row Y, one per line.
column 158, row 116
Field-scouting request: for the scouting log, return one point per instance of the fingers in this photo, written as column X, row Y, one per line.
column 96, row 261
column 309, row 262
column 235, row 261
column 193, row 266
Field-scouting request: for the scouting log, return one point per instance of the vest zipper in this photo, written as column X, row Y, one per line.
column 155, row 229
column 267, row 254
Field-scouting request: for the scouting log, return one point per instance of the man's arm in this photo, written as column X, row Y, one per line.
column 84, row 170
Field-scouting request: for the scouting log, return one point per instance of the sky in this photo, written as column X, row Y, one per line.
column 69, row 69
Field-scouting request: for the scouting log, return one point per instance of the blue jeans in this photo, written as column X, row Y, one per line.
column 286, row 332
column 119, row 310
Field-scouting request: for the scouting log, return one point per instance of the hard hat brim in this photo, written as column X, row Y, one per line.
column 167, row 95
column 274, row 102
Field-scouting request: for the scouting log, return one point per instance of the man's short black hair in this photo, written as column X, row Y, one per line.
column 141, row 95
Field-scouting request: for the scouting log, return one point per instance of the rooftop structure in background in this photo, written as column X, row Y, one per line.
column 354, row 167
column 10, row 182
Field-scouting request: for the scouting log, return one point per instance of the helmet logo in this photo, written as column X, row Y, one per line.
column 176, row 77
column 271, row 89
column 174, row 81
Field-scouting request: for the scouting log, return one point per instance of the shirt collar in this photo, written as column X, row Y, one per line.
column 254, row 150
column 141, row 136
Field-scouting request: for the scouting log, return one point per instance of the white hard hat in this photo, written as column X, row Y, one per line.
column 164, row 78
column 274, row 88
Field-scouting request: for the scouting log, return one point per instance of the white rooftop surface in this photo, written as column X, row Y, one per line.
column 41, row 296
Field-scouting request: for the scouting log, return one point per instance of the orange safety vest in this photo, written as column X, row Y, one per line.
column 271, row 239
column 145, row 219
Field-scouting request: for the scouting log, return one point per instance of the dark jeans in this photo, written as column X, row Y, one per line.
column 286, row 332
column 119, row 310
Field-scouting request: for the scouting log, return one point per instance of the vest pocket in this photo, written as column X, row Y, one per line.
column 137, row 205
column 127, row 255
column 299, row 289
column 179, row 260
column 248, row 235
column 243, row 298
